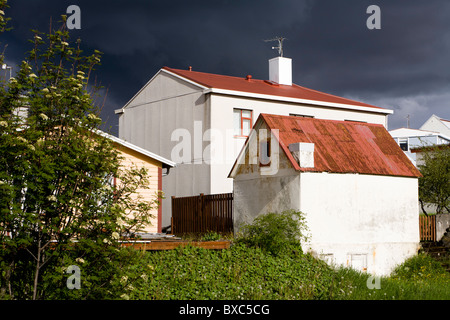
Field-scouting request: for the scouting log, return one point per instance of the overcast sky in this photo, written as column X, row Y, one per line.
column 404, row 66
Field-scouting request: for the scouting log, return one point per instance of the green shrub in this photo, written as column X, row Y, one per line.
column 275, row 232
column 211, row 236
column 237, row 273
column 111, row 273
column 419, row 267
column 418, row 278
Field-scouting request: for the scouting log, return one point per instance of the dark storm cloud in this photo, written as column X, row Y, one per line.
column 403, row 66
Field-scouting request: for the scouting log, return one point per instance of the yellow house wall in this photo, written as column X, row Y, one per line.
column 130, row 158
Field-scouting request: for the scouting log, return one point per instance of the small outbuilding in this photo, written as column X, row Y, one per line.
column 356, row 187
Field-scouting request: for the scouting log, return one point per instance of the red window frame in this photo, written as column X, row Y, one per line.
column 242, row 118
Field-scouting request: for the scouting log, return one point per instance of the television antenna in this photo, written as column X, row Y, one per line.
column 6, row 67
column 280, row 44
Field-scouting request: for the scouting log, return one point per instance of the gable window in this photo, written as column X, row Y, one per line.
column 264, row 153
column 403, row 142
column 243, row 120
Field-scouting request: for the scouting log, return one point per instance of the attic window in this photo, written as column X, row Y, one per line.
column 243, row 120
column 264, row 153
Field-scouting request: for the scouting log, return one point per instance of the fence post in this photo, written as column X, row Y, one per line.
column 433, row 228
column 173, row 206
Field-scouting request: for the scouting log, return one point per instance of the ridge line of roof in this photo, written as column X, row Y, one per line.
column 345, row 102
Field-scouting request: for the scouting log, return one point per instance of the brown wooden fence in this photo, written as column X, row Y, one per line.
column 203, row 213
column 427, row 226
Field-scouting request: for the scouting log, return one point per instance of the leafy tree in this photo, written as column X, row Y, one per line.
column 434, row 186
column 58, row 205
column 3, row 19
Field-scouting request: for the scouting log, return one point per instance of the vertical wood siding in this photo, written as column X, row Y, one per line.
column 203, row 213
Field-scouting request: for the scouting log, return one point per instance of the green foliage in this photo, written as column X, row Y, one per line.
column 110, row 273
column 243, row 272
column 211, row 236
column 420, row 267
column 434, row 186
column 250, row 270
column 275, row 232
column 418, row 278
column 240, row 272
column 3, row 19
column 56, row 173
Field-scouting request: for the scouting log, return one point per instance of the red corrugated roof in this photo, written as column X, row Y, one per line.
column 343, row 146
column 262, row 87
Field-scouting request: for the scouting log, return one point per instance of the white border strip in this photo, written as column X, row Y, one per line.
column 297, row 100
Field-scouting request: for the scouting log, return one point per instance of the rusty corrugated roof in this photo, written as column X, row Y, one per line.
column 343, row 146
column 211, row 80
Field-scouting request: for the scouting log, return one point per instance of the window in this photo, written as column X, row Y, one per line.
column 403, row 142
column 242, row 122
column 264, row 153
column 300, row 115
column 355, row 121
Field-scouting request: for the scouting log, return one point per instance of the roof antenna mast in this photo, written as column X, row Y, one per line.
column 280, row 44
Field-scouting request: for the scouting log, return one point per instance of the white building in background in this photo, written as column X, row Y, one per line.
column 435, row 131
column 409, row 139
column 201, row 120
column 437, row 124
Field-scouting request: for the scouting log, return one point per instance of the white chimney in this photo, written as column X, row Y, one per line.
column 304, row 154
column 280, row 70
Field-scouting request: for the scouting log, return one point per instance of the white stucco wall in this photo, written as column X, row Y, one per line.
column 365, row 216
column 366, row 222
column 262, row 189
column 253, row 197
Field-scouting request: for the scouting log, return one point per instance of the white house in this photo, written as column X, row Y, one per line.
column 201, row 120
column 437, row 124
column 357, row 188
column 409, row 139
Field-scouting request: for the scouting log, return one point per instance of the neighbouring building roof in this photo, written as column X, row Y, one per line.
column 342, row 146
column 446, row 122
column 436, row 123
column 165, row 162
column 408, row 132
column 267, row 89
